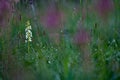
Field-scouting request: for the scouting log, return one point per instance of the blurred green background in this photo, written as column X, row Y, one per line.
column 71, row 40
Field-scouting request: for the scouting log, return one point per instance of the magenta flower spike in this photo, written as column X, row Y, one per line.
column 82, row 37
column 104, row 7
column 52, row 19
column 4, row 11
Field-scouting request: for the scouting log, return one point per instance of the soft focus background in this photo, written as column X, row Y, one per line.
column 71, row 40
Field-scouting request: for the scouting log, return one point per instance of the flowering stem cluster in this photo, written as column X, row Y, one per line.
column 28, row 32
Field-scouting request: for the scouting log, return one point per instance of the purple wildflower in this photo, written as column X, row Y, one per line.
column 82, row 37
column 52, row 19
column 4, row 11
column 104, row 7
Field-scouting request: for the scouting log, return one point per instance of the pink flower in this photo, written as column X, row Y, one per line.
column 4, row 11
column 82, row 37
column 52, row 18
column 104, row 7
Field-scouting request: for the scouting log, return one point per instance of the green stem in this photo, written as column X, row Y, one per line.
column 28, row 47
